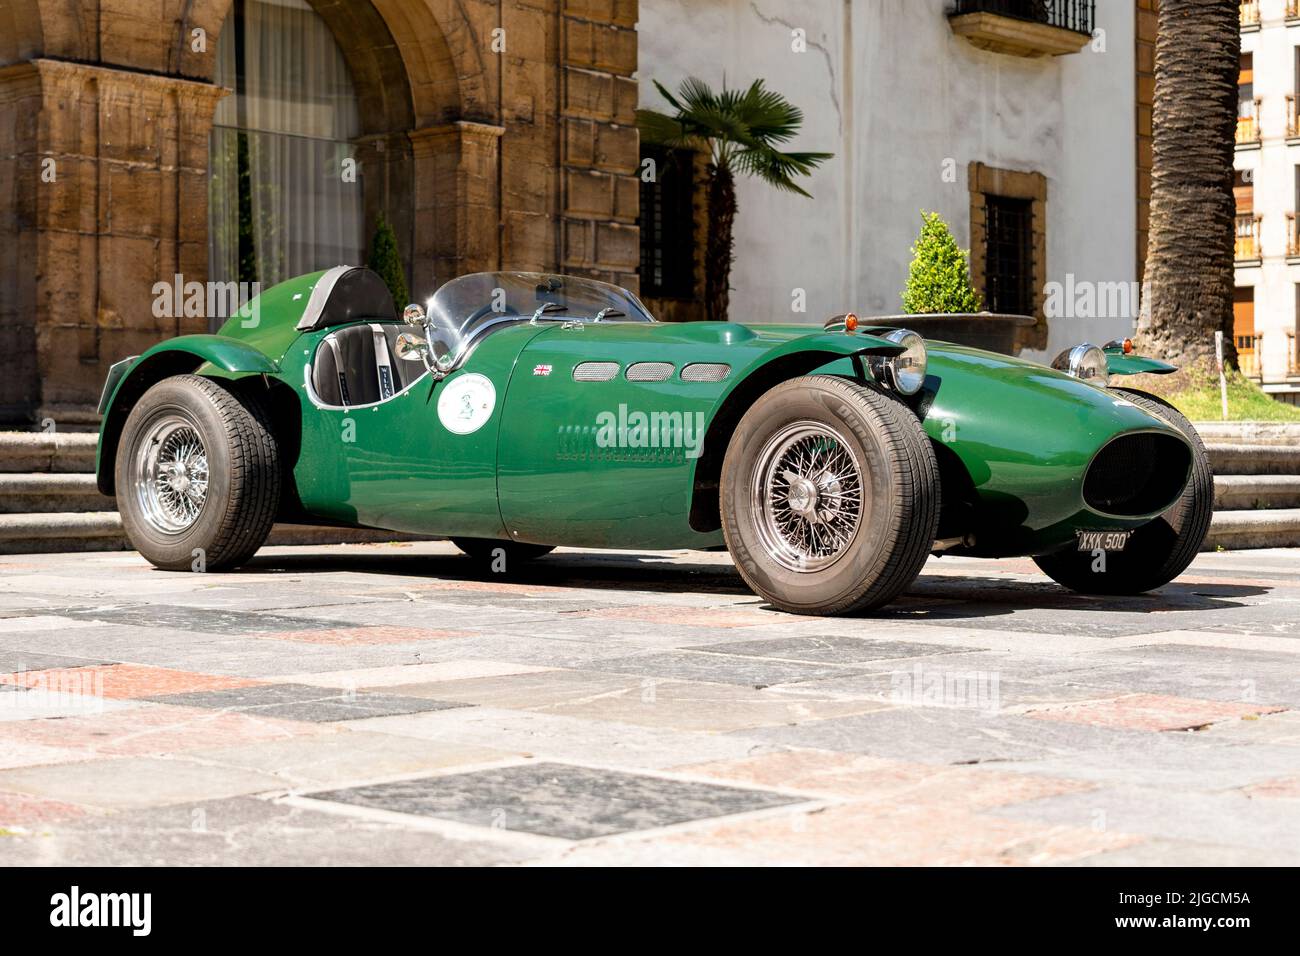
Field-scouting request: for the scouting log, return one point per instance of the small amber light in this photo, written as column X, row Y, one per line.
column 1128, row 346
column 850, row 323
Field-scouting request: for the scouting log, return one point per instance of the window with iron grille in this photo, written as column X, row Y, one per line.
column 668, row 225
column 1009, row 255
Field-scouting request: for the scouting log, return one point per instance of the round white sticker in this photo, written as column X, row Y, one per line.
column 466, row 403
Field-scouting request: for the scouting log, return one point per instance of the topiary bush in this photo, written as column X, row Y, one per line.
column 385, row 260
column 939, row 279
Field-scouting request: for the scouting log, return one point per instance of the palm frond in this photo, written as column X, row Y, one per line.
column 741, row 128
column 779, row 169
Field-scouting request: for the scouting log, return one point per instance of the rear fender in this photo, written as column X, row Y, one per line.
column 216, row 356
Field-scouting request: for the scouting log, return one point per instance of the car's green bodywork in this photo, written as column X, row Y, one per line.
column 1013, row 438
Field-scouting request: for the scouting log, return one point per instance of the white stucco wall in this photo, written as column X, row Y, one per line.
column 888, row 88
column 1273, row 169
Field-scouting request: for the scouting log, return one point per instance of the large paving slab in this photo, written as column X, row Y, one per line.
column 391, row 704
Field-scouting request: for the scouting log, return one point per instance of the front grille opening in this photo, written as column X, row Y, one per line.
column 1137, row 475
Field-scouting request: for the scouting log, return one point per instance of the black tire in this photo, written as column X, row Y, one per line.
column 1159, row 551
column 484, row 550
column 898, row 516
column 243, row 476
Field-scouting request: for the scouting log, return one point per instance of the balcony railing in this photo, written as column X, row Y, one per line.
column 1292, row 237
column 1249, row 348
column 1246, row 247
column 1293, row 9
column 1249, row 13
column 1292, row 118
column 1292, row 358
column 1078, row 16
column 1248, row 126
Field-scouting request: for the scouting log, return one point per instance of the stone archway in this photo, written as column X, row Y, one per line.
column 22, row 35
column 418, row 72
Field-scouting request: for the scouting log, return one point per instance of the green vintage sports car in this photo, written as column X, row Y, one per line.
column 517, row 412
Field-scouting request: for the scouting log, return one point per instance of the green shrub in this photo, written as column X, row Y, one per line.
column 385, row 260
column 939, row 280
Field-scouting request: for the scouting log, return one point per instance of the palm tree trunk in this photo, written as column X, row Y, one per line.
column 718, row 252
column 1189, row 271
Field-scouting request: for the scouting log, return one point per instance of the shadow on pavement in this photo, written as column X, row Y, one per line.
column 931, row 597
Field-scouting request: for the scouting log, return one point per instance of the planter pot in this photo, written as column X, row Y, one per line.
column 993, row 332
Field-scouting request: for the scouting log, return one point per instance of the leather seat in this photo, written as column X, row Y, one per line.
column 358, row 365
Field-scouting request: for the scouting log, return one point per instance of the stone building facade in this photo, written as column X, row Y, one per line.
column 494, row 134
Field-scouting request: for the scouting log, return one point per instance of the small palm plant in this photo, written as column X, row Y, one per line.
column 740, row 130
column 939, row 280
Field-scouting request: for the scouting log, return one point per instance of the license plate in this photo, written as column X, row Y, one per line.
column 1103, row 540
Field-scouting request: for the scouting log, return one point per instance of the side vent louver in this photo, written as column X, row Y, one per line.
column 595, row 371
column 705, row 372
column 649, row 371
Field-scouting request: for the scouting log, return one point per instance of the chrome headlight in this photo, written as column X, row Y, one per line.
column 904, row 372
column 1085, row 362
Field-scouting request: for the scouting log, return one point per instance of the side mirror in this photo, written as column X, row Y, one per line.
column 413, row 314
column 411, row 348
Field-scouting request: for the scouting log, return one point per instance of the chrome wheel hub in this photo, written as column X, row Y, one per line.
column 808, row 496
column 171, row 475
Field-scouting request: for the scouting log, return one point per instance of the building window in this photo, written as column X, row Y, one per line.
column 1009, row 253
column 1246, row 241
column 1008, row 237
column 1243, row 330
column 1248, row 133
column 668, row 224
column 284, row 195
column 1293, row 340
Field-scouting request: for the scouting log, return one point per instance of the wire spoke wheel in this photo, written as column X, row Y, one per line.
column 808, row 496
column 171, row 474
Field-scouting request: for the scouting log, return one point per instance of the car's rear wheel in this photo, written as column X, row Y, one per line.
column 198, row 476
column 829, row 497
column 488, row 551
column 1159, row 551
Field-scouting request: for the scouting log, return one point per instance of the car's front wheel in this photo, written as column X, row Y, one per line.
column 830, row 496
column 1159, row 551
column 198, row 476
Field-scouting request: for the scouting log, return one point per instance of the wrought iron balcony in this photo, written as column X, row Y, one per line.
column 1029, row 28
column 1249, row 14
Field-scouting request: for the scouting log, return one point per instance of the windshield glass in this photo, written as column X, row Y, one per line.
column 472, row 305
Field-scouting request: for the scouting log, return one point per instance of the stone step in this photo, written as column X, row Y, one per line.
column 102, row 531
column 1254, row 459
column 1249, row 433
column 1251, row 492
column 1274, row 528
column 42, row 492
column 61, row 452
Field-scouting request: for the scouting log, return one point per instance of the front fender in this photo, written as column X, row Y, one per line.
column 1120, row 364
column 833, row 345
column 215, row 355
column 797, row 356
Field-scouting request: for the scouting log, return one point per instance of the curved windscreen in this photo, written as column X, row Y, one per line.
column 473, row 305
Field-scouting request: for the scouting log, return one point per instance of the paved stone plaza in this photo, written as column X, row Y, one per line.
column 388, row 704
